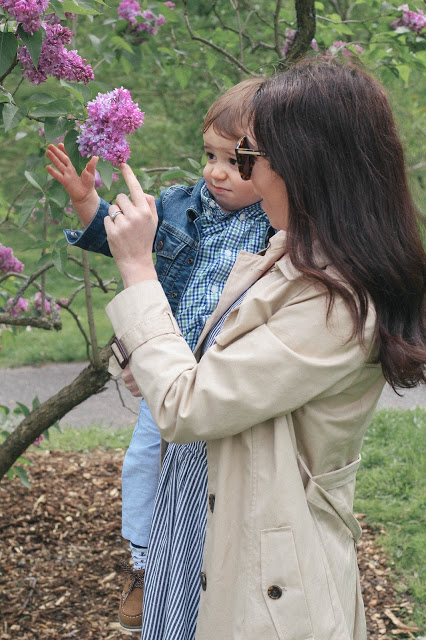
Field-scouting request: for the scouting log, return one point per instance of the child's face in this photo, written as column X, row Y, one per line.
column 222, row 176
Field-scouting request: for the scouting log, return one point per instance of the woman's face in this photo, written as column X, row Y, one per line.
column 272, row 191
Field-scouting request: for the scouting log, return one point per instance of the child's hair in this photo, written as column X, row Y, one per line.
column 327, row 129
column 229, row 114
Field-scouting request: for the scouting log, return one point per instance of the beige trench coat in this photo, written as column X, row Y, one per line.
column 283, row 400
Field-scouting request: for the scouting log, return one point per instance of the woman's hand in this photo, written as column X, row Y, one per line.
column 130, row 382
column 131, row 233
column 81, row 189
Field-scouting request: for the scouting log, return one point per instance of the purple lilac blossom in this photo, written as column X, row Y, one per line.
column 38, row 301
column 411, row 19
column 27, row 12
column 20, row 307
column 8, row 262
column 55, row 59
column 128, row 10
column 340, row 45
column 111, row 116
column 290, row 35
column 171, row 5
column 38, row 440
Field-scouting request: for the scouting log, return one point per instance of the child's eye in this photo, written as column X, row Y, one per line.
column 210, row 156
column 233, row 161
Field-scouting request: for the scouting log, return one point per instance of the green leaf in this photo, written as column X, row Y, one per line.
column 80, row 7
column 8, row 49
column 41, row 98
column 57, row 7
column 404, row 72
column 55, row 127
column 80, row 91
column 27, row 208
column 71, row 147
column 21, row 409
column 183, row 74
column 4, row 409
column 173, row 174
column 120, row 43
column 32, row 42
column 58, row 195
column 60, row 259
column 23, row 476
column 12, row 116
column 36, row 402
column 194, row 163
column 38, row 180
column 5, row 97
column 59, row 107
column 105, row 171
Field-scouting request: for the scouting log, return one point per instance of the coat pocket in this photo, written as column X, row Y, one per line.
column 282, row 585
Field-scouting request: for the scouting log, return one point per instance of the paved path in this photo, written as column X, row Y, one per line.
column 106, row 408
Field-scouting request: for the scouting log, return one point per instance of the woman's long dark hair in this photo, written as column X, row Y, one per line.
column 328, row 131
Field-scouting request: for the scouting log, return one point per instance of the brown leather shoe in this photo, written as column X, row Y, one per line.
column 130, row 611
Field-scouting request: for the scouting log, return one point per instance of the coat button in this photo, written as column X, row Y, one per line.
column 174, row 294
column 190, row 260
column 212, row 499
column 275, row 592
column 74, row 234
column 203, row 580
column 160, row 245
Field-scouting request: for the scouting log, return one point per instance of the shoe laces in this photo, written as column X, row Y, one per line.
column 136, row 579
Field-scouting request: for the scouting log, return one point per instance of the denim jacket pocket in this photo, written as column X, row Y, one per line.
column 169, row 243
column 282, row 585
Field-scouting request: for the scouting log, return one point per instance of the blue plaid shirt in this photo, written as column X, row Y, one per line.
column 224, row 235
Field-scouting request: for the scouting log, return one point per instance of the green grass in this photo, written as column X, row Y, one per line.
column 390, row 488
column 391, row 492
column 36, row 346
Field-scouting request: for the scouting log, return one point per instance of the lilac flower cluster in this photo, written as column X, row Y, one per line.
column 411, row 19
column 8, row 262
column 340, row 46
column 20, row 307
column 130, row 9
column 290, row 35
column 55, row 59
column 112, row 116
column 27, row 12
column 38, row 302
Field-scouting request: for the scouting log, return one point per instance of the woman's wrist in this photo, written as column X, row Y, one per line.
column 132, row 274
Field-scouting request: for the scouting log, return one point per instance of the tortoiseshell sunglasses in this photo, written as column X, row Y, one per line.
column 246, row 157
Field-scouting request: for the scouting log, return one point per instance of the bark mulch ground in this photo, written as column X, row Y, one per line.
column 60, row 550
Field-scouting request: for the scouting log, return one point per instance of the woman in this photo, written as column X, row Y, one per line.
column 329, row 311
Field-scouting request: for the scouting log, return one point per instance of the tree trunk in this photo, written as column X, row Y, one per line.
column 91, row 380
column 306, row 23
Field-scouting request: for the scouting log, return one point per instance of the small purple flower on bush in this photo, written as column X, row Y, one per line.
column 128, row 10
column 20, row 307
column 171, row 5
column 38, row 303
column 290, row 35
column 112, row 116
column 411, row 19
column 38, row 440
column 8, row 262
column 27, row 12
column 55, row 59
column 340, row 46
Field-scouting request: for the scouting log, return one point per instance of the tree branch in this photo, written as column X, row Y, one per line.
column 91, row 380
column 214, row 46
column 305, row 13
column 24, row 321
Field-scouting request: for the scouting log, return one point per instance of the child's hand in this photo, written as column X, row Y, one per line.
column 81, row 189
column 130, row 382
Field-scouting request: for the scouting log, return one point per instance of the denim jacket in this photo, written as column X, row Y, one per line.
column 176, row 243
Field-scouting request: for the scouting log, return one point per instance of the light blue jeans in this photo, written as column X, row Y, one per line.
column 141, row 468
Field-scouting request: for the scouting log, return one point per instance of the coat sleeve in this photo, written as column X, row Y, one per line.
column 247, row 377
